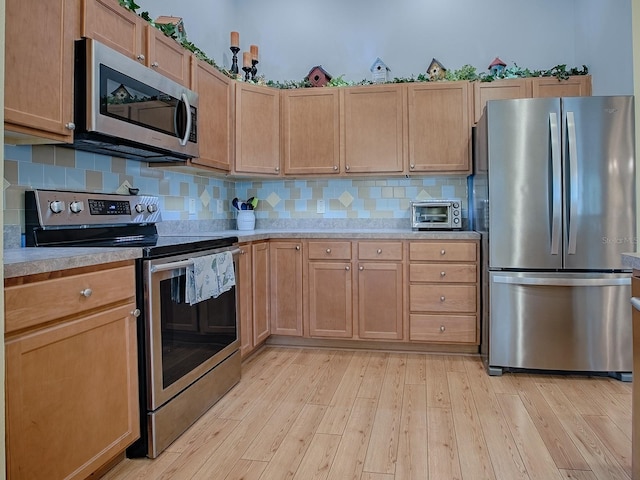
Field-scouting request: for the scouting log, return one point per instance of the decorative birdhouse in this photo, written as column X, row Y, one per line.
column 379, row 71
column 497, row 66
column 318, row 76
column 121, row 94
column 436, row 70
column 180, row 31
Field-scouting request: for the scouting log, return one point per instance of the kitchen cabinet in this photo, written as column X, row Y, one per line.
column 167, row 57
column 329, row 293
column 257, row 129
column 373, row 133
column 285, row 259
column 574, row 86
column 380, row 290
column 311, row 131
column 38, row 89
column 253, row 295
column 439, row 127
column 443, row 292
column 71, row 371
column 215, row 117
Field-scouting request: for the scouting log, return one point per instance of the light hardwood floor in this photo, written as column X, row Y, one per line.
column 311, row 414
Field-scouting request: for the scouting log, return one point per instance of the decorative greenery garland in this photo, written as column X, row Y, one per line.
column 466, row 72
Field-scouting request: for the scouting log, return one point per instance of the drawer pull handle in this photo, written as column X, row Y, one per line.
column 297, row 247
column 442, row 329
column 136, row 313
column 155, row 64
column 379, row 251
column 86, row 292
column 347, row 268
column 328, row 250
column 361, row 268
column 141, row 57
column 442, row 299
column 442, row 274
column 442, row 252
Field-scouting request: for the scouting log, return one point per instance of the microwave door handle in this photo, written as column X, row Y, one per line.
column 187, row 131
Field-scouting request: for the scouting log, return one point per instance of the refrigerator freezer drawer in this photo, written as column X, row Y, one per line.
column 561, row 321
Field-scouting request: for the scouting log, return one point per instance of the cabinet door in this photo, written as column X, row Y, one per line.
column 109, row 23
column 257, row 129
column 244, row 290
column 439, row 127
column 380, row 300
column 311, row 131
column 373, row 129
column 286, row 288
column 261, row 298
column 72, row 396
column 330, row 299
column 499, row 90
column 166, row 56
column 38, row 90
column 214, row 117
column 574, row 86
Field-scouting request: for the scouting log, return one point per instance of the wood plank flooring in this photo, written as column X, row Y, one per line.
column 316, row 414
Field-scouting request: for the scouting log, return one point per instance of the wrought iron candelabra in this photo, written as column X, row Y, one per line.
column 234, row 64
column 254, row 69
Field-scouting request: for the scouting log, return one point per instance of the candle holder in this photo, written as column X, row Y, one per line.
column 247, row 71
column 254, row 69
column 234, row 63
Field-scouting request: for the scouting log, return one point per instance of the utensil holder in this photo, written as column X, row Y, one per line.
column 246, row 220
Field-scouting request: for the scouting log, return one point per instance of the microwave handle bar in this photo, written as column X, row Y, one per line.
column 187, row 132
column 161, row 267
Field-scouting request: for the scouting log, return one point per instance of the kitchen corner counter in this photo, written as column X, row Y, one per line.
column 631, row 260
column 32, row 260
column 358, row 234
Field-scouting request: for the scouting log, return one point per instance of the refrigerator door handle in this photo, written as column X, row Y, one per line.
column 573, row 184
column 635, row 302
column 562, row 282
column 556, row 184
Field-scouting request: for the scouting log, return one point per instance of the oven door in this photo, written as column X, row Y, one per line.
column 183, row 341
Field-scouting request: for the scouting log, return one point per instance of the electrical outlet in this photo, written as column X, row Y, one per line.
column 192, row 206
column 320, row 206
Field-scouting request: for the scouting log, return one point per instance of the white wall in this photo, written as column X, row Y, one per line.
column 345, row 37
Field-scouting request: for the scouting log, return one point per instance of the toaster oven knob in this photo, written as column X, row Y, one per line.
column 76, row 206
column 456, row 220
column 152, row 207
column 456, row 204
column 139, row 208
column 57, row 206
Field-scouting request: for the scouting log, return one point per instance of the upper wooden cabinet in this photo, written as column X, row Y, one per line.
column 373, row 130
column 257, row 129
column 215, row 116
column 109, row 23
column 439, row 127
column 38, row 90
column 311, row 131
column 575, row 86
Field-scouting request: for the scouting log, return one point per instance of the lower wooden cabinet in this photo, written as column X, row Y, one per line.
column 253, row 295
column 285, row 259
column 71, row 372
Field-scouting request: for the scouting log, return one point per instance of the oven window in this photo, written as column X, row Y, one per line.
column 192, row 334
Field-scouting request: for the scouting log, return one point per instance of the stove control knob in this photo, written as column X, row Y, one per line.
column 152, row 207
column 57, row 206
column 140, row 208
column 76, row 206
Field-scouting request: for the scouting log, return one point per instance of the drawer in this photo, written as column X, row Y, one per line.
column 443, row 251
column 31, row 304
column 443, row 272
column 442, row 298
column 443, row 328
column 380, row 250
column 329, row 250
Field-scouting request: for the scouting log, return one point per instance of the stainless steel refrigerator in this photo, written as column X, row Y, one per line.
column 554, row 198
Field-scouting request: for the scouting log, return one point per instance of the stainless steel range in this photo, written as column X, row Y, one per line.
column 188, row 353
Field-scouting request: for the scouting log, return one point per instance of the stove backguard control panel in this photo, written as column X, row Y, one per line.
column 56, row 208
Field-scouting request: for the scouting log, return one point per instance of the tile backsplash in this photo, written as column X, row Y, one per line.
column 281, row 202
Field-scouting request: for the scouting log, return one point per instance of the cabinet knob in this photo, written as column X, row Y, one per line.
column 347, row 268
column 243, row 251
column 335, row 168
column 442, row 274
column 361, row 268
column 277, row 169
column 155, row 65
column 347, row 168
column 412, row 166
column 442, row 252
column 140, row 57
column 297, row 247
column 70, row 126
column 442, row 329
column 136, row 312
column 86, row 292
column 328, row 250
column 379, row 251
column 442, row 299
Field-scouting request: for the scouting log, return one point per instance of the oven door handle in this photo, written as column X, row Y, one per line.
column 161, row 267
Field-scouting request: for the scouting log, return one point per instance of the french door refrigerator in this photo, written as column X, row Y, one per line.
column 554, row 197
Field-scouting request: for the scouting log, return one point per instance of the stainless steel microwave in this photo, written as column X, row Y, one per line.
column 123, row 108
column 436, row 215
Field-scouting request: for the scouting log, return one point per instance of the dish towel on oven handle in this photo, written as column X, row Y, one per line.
column 209, row 276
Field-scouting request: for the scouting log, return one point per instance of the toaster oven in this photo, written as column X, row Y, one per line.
column 436, row 214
